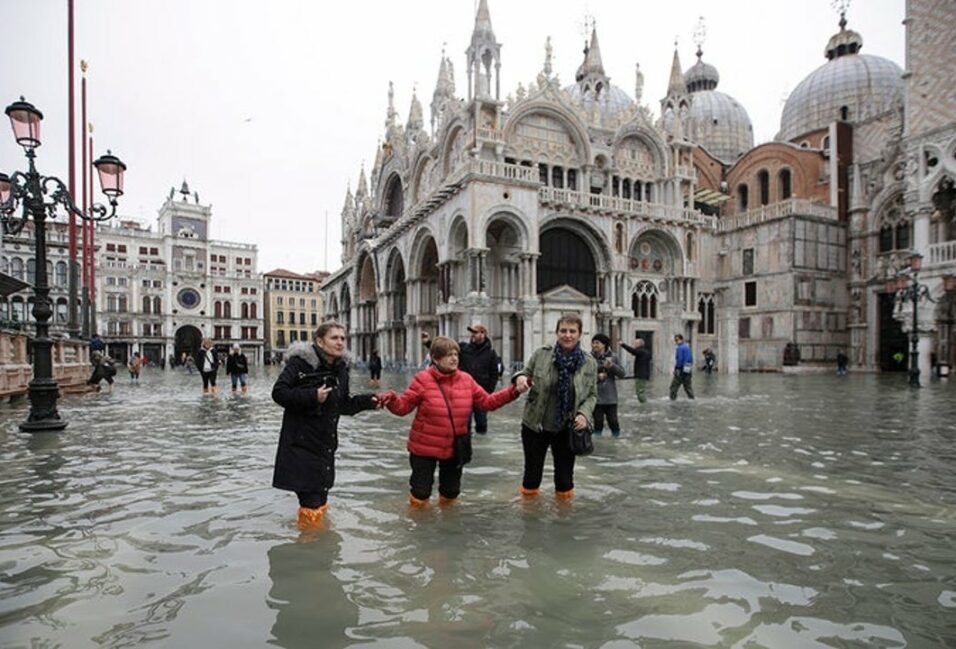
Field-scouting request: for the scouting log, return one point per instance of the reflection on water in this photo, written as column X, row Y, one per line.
column 773, row 511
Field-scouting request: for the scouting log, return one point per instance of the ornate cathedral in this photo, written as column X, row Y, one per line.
column 556, row 198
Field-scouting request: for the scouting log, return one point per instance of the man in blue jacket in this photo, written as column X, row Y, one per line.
column 683, row 368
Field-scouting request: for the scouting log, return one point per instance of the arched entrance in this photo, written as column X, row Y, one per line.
column 188, row 341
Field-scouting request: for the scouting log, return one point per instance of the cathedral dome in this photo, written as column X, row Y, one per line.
column 610, row 101
column 715, row 120
column 850, row 86
column 720, row 124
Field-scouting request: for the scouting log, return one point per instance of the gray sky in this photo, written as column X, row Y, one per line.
column 269, row 108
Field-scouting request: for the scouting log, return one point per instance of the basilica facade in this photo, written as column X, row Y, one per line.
column 511, row 210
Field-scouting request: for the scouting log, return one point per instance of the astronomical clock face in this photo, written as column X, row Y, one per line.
column 650, row 257
column 188, row 298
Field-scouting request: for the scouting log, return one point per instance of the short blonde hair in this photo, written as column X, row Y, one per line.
column 442, row 346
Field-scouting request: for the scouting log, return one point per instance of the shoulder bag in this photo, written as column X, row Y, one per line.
column 462, row 442
column 581, row 441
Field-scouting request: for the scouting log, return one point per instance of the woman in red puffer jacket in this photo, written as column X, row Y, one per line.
column 444, row 397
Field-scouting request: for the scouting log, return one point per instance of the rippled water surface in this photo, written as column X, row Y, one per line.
column 773, row 511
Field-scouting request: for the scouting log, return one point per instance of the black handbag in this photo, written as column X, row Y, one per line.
column 462, row 442
column 581, row 441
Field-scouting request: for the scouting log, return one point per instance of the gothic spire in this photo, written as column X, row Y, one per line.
column 676, row 84
column 416, row 120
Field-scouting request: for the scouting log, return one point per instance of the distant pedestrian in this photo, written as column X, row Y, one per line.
column 207, row 361
column 710, row 361
column 843, row 361
column 642, row 367
column 237, row 367
column 609, row 370
column 375, row 369
column 134, row 366
column 683, row 368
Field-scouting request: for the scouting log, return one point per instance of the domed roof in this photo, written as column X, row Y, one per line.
column 701, row 76
column 863, row 84
column 611, row 100
column 720, row 124
column 715, row 120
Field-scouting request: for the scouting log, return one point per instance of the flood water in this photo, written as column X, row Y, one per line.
column 774, row 511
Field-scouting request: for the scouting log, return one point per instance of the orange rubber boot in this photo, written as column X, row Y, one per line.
column 416, row 502
column 445, row 501
column 564, row 495
column 310, row 519
column 528, row 493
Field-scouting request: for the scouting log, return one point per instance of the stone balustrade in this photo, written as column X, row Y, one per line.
column 774, row 211
column 941, row 254
column 616, row 204
column 71, row 364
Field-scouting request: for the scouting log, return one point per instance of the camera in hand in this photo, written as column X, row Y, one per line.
column 319, row 379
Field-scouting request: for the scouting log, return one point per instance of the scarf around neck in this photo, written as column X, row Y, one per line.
column 567, row 363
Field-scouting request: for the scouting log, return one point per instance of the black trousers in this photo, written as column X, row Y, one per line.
column 609, row 410
column 208, row 378
column 536, row 447
column 423, row 476
column 312, row 499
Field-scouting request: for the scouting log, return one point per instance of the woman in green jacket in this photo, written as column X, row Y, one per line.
column 563, row 393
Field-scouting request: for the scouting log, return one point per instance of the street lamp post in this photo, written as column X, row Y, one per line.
column 907, row 289
column 37, row 196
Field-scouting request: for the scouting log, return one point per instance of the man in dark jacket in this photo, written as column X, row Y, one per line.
column 642, row 367
column 479, row 359
column 313, row 390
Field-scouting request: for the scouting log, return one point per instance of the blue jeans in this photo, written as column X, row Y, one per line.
column 238, row 379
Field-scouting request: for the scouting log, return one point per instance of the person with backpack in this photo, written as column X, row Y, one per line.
column 103, row 370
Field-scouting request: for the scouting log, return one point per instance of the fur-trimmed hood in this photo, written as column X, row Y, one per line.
column 307, row 352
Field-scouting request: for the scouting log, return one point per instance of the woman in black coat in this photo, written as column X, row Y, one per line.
column 314, row 391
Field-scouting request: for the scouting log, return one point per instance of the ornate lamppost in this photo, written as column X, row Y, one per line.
column 907, row 289
column 30, row 194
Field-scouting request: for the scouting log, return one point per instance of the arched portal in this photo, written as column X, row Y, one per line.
column 367, row 307
column 397, row 296
column 566, row 258
column 188, row 341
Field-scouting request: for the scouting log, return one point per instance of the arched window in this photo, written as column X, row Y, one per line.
column 784, row 181
column 844, row 113
column 227, row 310
column 217, row 310
column 244, row 309
column 61, row 314
column 61, row 273
column 31, row 271
column 644, row 300
column 395, row 199
column 157, row 305
column 742, row 197
column 895, row 229
column 253, row 311
column 147, row 303
column 763, row 179
column 4, row 265
column 690, row 246
column 619, row 237
column 16, row 268
column 18, row 309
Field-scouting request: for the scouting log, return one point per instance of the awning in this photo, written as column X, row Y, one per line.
column 10, row 285
column 710, row 197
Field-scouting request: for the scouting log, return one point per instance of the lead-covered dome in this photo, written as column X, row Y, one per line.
column 850, row 87
column 609, row 100
column 714, row 119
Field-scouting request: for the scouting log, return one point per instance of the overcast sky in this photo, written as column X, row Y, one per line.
column 268, row 109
